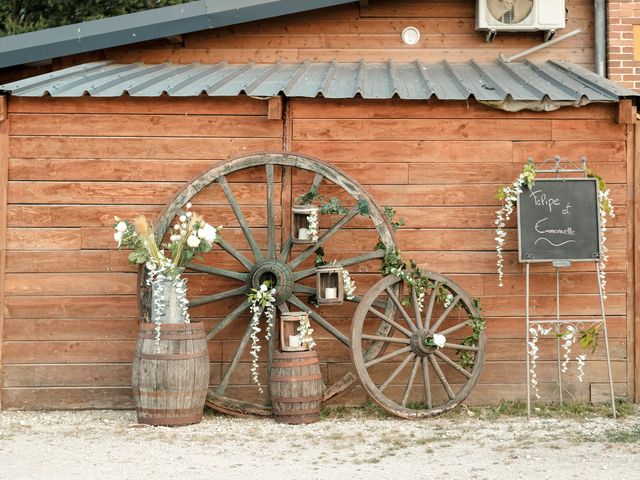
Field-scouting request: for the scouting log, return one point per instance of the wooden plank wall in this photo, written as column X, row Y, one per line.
column 350, row 33
column 71, row 313
column 440, row 164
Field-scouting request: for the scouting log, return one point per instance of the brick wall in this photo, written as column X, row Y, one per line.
column 623, row 42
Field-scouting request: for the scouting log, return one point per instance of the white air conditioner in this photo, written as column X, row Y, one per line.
column 520, row 15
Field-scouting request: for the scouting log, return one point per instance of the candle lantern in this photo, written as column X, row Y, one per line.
column 289, row 339
column 300, row 231
column 329, row 285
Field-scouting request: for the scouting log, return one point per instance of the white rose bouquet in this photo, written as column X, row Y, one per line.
column 190, row 236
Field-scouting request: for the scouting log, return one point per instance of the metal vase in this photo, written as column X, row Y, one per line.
column 164, row 290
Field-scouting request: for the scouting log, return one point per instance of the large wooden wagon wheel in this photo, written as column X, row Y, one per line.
column 409, row 377
column 283, row 266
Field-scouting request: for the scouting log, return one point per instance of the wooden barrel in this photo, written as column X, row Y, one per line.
column 296, row 387
column 170, row 380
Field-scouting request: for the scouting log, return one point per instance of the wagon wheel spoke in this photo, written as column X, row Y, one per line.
column 226, row 188
column 413, row 345
column 412, row 377
column 386, row 357
column 234, row 253
column 441, row 377
column 227, row 320
column 286, row 250
column 344, row 263
column 220, row 389
column 446, row 313
column 323, row 238
column 454, row 328
column 400, row 308
column 380, row 338
column 427, row 382
column 317, row 180
column 451, row 363
column 396, row 372
column 390, row 322
column 221, row 272
column 416, row 307
column 218, row 296
column 320, row 320
column 432, row 301
column 455, row 346
column 271, row 220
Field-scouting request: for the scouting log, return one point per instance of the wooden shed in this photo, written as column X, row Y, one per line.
column 431, row 129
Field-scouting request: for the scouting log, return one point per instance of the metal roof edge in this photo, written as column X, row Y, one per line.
column 146, row 25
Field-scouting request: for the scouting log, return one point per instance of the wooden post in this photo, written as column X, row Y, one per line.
column 626, row 112
column 275, row 108
column 4, row 177
column 633, row 326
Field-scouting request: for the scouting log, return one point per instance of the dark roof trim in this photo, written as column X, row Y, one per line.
column 509, row 86
column 146, row 25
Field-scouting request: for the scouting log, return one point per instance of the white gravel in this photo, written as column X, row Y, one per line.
column 110, row 445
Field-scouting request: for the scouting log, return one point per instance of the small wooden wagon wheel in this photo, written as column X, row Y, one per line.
column 282, row 265
column 411, row 377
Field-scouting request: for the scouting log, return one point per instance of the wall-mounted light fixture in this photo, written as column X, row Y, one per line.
column 410, row 36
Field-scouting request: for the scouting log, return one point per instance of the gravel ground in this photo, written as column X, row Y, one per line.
column 110, row 445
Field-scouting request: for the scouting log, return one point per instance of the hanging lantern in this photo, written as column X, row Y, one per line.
column 329, row 285
column 289, row 339
column 301, row 231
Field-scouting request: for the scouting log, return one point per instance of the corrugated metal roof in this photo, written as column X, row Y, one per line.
column 486, row 82
column 146, row 25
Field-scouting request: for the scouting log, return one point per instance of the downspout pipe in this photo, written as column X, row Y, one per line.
column 600, row 36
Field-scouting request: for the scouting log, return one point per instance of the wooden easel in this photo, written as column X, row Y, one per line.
column 557, row 323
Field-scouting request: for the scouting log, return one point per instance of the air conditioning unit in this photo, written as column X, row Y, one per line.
column 520, row 15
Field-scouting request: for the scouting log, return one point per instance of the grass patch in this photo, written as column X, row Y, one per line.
column 549, row 410
column 369, row 410
column 623, row 435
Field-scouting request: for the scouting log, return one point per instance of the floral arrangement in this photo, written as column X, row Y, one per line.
column 190, row 236
column 261, row 301
column 349, row 284
column 305, row 333
column 312, row 219
column 568, row 338
column 436, row 340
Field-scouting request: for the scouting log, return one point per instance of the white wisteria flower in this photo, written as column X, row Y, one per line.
column 312, row 218
column 261, row 300
column 348, row 284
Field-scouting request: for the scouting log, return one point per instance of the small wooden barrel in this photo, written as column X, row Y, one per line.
column 296, row 387
column 170, row 380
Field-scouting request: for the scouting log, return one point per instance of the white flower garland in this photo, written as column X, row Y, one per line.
column 305, row 333
column 569, row 339
column 348, row 284
column 606, row 206
column 156, row 280
column 502, row 217
column 262, row 300
column 312, row 218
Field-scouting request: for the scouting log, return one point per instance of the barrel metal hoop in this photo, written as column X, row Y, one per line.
column 164, row 393
column 172, row 356
column 296, row 378
column 315, row 398
column 294, row 413
column 171, row 421
column 277, row 364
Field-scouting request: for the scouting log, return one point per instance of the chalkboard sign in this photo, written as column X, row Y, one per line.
column 558, row 219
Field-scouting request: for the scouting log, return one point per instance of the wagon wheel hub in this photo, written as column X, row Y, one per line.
column 279, row 274
column 418, row 343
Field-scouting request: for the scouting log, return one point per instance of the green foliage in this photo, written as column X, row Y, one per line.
column 19, row 16
column 466, row 359
column 363, row 207
column 263, row 300
column 308, row 197
column 319, row 260
column 391, row 260
column 529, row 173
column 333, row 207
column 589, row 337
column 130, row 239
column 390, row 213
